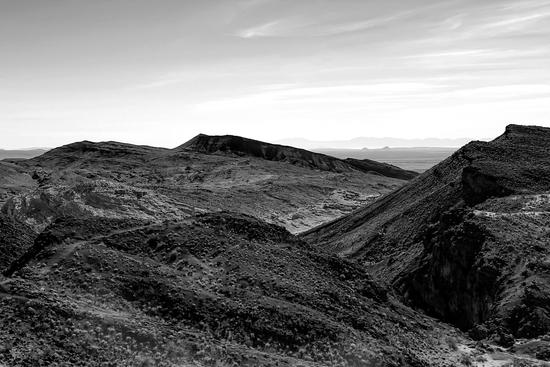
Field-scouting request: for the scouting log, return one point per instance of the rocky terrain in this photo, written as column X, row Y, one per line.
column 121, row 180
column 215, row 289
column 15, row 238
column 122, row 255
column 468, row 241
column 14, row 180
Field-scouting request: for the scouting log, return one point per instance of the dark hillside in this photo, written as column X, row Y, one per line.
column 216, row 289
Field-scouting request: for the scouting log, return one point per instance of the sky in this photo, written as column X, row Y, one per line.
column 158, row 72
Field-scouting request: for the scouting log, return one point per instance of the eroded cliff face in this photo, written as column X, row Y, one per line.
column 478, row 186
column 486, row 268
column 454, row 279
column 450, row 280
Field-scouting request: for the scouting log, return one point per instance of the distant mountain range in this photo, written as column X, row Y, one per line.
column 304, row 143
column 22, row 153
column 371, row 142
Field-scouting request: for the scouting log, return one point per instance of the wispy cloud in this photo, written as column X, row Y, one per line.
column 479, row 55
column 176, row 78
column 303, row 27
column 363, row 24
column 525, row 4
column 379, row 95
column 515, row 23
column 485, row 21
column 382, row 96
column 269, row 29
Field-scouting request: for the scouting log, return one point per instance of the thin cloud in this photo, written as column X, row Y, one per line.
column 363, row 25
column 301, row 27
column 383, row 93
column 517, row 22
column 270, row 29
column 479, row 54
column 525, row 4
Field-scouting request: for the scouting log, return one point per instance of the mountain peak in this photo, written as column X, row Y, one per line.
column 525, row 134
column 237, row 145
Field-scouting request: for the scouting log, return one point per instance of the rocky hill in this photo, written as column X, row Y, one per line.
column 215, row 289
column 468, row 240
column 273, row 152
column 118, row 180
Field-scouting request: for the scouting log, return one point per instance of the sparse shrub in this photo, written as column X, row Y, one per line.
column 481, row 358
column 451, row 342
column 466, row 360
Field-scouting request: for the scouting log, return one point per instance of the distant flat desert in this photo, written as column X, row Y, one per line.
column 415, row 159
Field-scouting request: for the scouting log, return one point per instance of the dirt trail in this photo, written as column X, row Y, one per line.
column 13, row 296
column 67, row 249
column 489, row 214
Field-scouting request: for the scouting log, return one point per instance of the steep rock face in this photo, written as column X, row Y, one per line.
column 478, row 186
column 451, row 280
column 455, row 241
column 486, row 268
column 243, row 146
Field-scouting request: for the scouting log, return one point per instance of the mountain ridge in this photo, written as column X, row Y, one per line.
column 453, row 241
column 243, row 146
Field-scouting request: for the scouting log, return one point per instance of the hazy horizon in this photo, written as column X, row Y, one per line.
column 160, row 72
column 360, row 142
